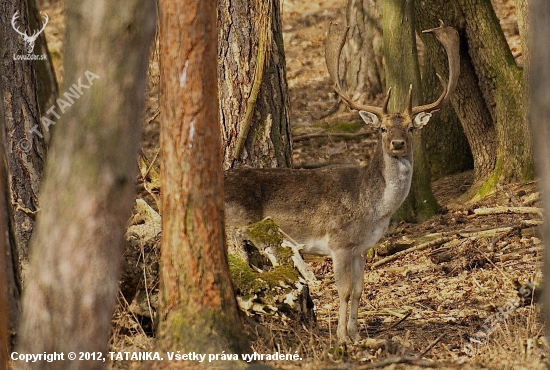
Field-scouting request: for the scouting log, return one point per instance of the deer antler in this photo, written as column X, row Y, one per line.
column 448, row 37
column 336, row 37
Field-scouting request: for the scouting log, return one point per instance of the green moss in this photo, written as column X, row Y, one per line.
column 528, row 172
column 341, row 127
column 349, row 127
column 266, row 232
column 204, row 331
column 249, row 282
column 490, row 185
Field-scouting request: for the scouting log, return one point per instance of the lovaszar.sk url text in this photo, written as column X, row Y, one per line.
column 153, row 356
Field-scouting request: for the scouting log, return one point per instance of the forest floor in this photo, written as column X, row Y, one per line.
column 422, row 308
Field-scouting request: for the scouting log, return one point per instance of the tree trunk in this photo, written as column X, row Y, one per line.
column 253, row 92
column 539, row 15
column 5, row 347
column 445, row 145
column 197, row 310
column 47, row 89
column 22, row 126
column 362, row 57
column 402, row 70
column 503, row 87
column 88, row 192
column 494, row 124
column 467, row 101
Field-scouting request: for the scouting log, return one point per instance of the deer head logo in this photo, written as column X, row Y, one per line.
column 29, row 40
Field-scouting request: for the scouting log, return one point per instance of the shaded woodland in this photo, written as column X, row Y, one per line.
column 113, row 155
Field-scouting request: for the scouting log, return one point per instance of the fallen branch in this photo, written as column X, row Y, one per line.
column 419, row 247
column 502, row 210
column 409, row 360
column 331, row 135
column 423, row 353
column 313, row 165
column 487, row 233
column 401, row 320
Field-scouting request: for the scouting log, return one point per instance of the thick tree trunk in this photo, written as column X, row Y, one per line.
column 467, row 100
column 88, row 192
column 26, row 150
column 198, row 310
column 46, row 81
column 5, row 347
column 490, row 99
column 253, row 92
column 503, row 87
column 402, row 70
column 362, row 55
column 446, row 147
column 539, row 14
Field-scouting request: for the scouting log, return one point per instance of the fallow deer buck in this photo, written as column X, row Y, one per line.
column 342, row 211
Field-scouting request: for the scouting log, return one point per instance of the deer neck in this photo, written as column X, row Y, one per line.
column 396, row 173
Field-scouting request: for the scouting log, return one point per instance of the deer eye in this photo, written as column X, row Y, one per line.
column 411, row 129
column 383, row 130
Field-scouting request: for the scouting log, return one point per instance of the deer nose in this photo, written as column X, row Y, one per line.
column 397, row 144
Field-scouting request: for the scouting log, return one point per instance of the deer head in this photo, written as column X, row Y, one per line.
column 396, row 128
column 29, row 40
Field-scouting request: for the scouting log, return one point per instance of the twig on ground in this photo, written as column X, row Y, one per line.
column 312, row 165
column 437, row 340
column 500, row 210
column 419, row 247
column 401, row 320
column 409, row 360
column 331, row 135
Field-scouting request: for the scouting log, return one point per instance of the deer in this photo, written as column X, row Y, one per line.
column 342, row 211
column 29, row 40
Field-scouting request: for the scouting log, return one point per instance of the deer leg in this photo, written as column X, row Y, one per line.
column 341, row 262
column 357, row 268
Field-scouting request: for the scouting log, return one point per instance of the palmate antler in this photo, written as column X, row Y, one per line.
column 447, row 36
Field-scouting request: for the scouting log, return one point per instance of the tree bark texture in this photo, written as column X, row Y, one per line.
column 46, row 81
column 26, row 152
column 402, row 70
column 5, row 253
column 445, row 145
column 539, row 14
column 362, row 65
column 88, row 190
column 252, row 84
column 503, row 88
column 198, row 310
column 460, row 136
column 490, row 96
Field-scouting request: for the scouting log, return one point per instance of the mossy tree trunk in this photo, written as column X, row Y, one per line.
column 253, row 92
column 198, row 310
column 402, row 70
column 88, row 191
column 503, row 87
column 490, row 99
column 539, row 14
column 362, row 64
column 467, row 101
column 446, row 146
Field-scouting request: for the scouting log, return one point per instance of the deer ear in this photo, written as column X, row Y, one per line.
column 421, row 119
column 370, row 118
